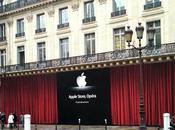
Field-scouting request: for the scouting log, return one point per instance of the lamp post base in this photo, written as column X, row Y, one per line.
column 143, row 127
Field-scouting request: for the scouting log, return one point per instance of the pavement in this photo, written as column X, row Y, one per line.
column 76, row 127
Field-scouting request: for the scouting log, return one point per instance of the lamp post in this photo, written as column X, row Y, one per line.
column 79, row 124
column 106, row 121
column 128, row 37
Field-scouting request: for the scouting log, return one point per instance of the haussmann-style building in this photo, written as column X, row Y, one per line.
column 66, row 61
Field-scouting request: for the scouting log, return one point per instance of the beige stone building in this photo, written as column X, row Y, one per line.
column 39, row 30
column 41, row 39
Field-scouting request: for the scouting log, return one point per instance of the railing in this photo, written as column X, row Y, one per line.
column 118, row 13
column 94, row 58
column 2, row 38
column 152, row 5
column 18, row 4
column 63, row 25
column 40, row 30
column 90, row 19
column 20, row 34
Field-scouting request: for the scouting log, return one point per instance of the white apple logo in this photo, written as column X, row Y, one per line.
column 81, row 81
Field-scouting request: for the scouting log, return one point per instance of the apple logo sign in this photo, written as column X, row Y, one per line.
column 81, row 82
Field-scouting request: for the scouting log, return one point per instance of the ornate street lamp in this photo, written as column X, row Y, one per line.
column 128, row 37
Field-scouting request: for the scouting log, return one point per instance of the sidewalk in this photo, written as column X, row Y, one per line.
column 76, row 127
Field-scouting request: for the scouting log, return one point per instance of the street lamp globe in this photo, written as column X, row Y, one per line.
column 128, row 35
column 139, row 31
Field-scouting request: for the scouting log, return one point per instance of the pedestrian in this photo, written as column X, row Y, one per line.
column 172, row 123
column 22, row 120
column 3, row 120
column 10, row 121
column 15, row 120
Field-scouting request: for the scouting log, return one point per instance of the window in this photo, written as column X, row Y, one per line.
column 64, row 48
column 63, row 18
column 118, row 8
column 40, row 23
column 88, row 12
column 1, row 6
column 2, row 57
column 20, row 28
column 2, row 32
column 119, row 38
column 1, row 2
column 157, row 37
column 89, row 9
column 151, row 1
column 41, row 52
column 152, row 4
column 20, row 55
column 90, row 43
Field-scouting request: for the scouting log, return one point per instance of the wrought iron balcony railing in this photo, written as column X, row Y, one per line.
column 118, row 13
column 18, row 4
column 20, row 34
column 63, row 25
column 118, row 55
column 90, row 19
column 40, row 30
column 2, row 38
column 152, row 5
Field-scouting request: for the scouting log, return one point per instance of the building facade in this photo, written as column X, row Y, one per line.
column 56, row 29
column 54, row 36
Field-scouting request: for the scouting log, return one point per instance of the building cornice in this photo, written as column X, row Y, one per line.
column 26, row 8
column 100, row 65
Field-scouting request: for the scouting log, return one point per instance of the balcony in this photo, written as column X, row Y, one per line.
column 118, row 13
column 20, row 66
column 63, row 25
column 165, row 53
column 22, row 34
column 90, row 19
column 20, row 4
column 152, row 5
column 2, row 39
column 40, row 30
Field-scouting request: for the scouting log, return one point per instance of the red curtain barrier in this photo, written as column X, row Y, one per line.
column 159, row 93
column 35, row 95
